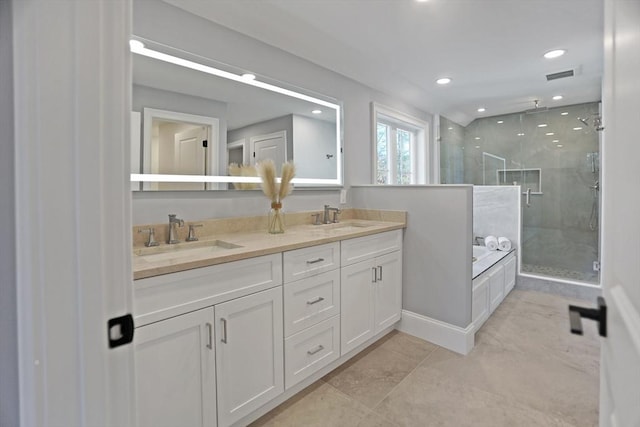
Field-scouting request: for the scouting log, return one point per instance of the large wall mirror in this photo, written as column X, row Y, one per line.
column 198, row 124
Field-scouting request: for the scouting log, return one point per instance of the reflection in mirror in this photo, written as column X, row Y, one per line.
column 179, row 144
column 242, row 121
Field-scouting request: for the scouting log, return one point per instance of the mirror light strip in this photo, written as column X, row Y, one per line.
column 139, row 49
column 144, row 177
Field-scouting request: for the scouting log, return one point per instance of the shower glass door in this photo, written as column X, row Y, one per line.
column 560, row 164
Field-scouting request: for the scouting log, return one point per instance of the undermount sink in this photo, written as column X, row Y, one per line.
column 345, row 226
column 184, row 250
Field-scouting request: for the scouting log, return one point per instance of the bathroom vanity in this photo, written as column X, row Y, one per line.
column 232, row 326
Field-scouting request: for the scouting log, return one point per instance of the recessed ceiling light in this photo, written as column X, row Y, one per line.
column 578, row 128
column 500, row 121
column 477, row 146
column 555, row 53
column 422, row 1
column 481, row 110
column 521, row 134
column 564, row 113
column 135, row 44
column 556, row 140
column 549, row 134
column 317, row 111
column 477, row 137
column 450, row 128
column 249, row 76
column 557, row 98
column 443, row 81
column 542, row 125
column 559, row 145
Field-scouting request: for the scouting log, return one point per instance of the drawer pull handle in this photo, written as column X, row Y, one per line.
column 379, row 272
column 315, row 261
column 315, row 301
column 224, row 330
column 375, row 275
column 315, row 350
column 209, row 336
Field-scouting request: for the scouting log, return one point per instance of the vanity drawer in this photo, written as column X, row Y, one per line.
column 309, row 301
column 310, row 350
column 306, row 262
column 168, row 295
column 361, row 248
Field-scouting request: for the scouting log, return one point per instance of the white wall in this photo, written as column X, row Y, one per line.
column 166, row 24
column 437, row 246
column 9, row 402
column 315, row 138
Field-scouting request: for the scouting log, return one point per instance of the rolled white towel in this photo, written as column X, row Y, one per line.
column 504, row 244
column 491, row 243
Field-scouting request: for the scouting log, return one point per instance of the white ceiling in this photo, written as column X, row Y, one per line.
column 492, row 49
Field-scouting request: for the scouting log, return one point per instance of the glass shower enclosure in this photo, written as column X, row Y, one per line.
column 553, row 155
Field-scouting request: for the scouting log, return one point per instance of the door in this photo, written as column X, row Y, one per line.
column 249, row 353
column 620, row 354
column 388, row 290
column 175, row 372
column 190, row 151
column 272, row 146
column 496, row 287
column 357, row 304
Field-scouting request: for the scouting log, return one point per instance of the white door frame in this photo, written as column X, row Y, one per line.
column 72, row 103
column 258, row 138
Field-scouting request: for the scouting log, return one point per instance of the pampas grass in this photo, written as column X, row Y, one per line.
column 276, row 191
column 273, row 190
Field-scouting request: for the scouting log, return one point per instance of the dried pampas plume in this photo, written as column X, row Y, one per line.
column 274, row 191
column 288, row 172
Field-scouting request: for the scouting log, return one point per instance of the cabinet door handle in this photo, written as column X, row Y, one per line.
column 315, row 350
column 380, row 272
column 315, row 301
column 375, row 274
column 224, row 330
column 315, row 261
column 209, row 336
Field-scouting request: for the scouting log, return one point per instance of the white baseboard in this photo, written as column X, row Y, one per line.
column 451, row 337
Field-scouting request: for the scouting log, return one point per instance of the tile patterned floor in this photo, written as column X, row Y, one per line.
column 526, row 370
column 562, row 273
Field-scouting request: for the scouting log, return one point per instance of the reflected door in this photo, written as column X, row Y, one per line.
column 272, row 146
column 190, row 155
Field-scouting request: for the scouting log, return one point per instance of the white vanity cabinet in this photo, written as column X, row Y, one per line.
column 249, row 354
column 371, row 287
column 175, row 379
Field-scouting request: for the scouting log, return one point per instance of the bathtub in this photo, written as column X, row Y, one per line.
column 484, row 259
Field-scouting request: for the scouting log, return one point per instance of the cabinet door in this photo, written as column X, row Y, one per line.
column 480, row 304
column 249, row 353
column 509, row 274
column 175, row 372
column 388, row 290
column 496, row 287
column 357, row 305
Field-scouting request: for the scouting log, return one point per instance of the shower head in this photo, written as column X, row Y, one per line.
column 584, row 121
column 536, row 108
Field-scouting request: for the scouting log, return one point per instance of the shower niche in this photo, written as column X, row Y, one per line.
column 527, row 178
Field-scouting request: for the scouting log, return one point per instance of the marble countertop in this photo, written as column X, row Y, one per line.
column 238, row 245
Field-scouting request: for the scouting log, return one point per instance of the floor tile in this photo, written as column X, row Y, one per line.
column 321, row 406
column 428, row 397
column 371, row 377
column 408, row 345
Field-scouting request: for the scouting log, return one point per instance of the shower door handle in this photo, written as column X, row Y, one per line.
column 528, row 197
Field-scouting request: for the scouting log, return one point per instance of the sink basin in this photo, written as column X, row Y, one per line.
column 184, row 250
column 345, row 226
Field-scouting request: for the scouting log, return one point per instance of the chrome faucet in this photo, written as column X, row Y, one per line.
column 173, row 221
column 327, row 210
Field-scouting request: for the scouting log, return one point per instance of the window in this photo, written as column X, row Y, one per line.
column 400, row 148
